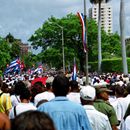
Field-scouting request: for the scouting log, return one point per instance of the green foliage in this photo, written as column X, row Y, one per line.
column 29, row 60
column 4, row 53
column 49, row 37
column 110, row 65
column 15, row 49
column 128, row 48
column 9, row 38
column 0, row 73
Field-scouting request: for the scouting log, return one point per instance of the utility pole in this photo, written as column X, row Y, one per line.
column 85, row 16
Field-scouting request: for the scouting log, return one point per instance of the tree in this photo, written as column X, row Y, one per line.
column 122, row 32
column 99, row 32
column 30, row 60
column 49, row 38
column 15, row 49
column 10, row 38
column 4, row 53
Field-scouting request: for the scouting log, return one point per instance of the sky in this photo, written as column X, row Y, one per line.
column 22, row 18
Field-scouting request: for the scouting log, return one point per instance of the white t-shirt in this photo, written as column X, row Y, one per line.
column 20, row 108
column 15, row 100
column 43, row 96
column 122, row 106
column 98, row 120
column 118, row 107
column 126, row 124
column 74, row 97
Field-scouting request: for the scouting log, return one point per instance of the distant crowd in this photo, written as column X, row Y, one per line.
column 53, row 101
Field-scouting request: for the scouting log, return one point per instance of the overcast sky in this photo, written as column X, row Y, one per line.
column 22, row 17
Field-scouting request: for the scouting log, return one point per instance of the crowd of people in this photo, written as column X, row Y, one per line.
column 61, row 103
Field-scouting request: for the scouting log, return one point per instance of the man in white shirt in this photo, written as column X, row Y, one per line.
column 123, row 103
column 117, row 104
column 46, row 95
column 25, row 105
column 126, row 124
column 18, row 89
column 74, row 94
column 98, row 120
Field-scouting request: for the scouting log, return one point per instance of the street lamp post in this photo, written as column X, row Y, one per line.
column 87, row 82
column 63, row 49
column 63, row 52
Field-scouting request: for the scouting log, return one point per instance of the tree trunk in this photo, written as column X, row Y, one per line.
column 122, row 34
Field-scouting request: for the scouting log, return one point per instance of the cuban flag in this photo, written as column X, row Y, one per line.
column 39, row 70
column 74, row 74
column 14, row 63
column 13, row 67
column 83, row 30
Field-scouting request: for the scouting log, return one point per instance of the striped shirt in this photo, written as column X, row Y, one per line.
column 5, row 102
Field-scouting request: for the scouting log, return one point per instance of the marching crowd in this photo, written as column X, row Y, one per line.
column 61, row 103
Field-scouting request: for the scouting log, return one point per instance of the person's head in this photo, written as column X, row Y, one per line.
column 102, row 93
column 37, row 88
column 48, row 86
column 25, row 95
column 74, row 86
column 19, row 87
column 60, row 85
column 33, row 120
column 119, row 91
column 87, row 95
column 5, row 88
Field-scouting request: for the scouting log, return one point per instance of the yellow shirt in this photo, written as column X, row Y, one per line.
column 5, row 102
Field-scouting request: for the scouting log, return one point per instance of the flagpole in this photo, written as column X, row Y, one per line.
column 86, row 42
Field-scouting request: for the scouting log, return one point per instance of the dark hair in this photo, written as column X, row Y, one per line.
column 1, row 83
column 60, row 85
column 119, row 90
column 25, row 94
column 48, row 86
column 19, row 87
column 74, row 85
column 32, row 120
column 36, row 89
column 128, row 88
column 5, row 88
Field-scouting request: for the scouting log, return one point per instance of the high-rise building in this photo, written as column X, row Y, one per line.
column 106, row 15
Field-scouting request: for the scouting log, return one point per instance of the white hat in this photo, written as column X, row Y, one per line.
column 88, row 93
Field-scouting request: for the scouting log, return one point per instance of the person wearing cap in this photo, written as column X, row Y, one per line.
column 67, row 115
column 98, row 120
column 102, row 105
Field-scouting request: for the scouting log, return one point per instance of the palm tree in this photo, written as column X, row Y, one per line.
column 99, row 31
column 122, row 33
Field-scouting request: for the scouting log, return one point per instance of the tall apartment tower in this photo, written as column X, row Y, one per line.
column 106, row 15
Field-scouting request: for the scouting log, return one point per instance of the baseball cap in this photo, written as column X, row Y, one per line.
column 88, row 93
column 102, row 89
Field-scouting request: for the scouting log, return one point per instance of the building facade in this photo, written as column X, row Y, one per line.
column 24, row 48
column 106, row 16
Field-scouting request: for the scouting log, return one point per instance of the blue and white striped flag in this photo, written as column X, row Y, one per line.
column 74, row 74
